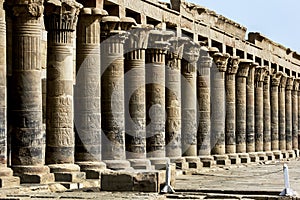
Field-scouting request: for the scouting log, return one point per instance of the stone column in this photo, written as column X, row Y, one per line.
column 250, row 102
column 281, row 113
column 260, row 73
column 155, row 94
column 230, row 83
column 135, row 98
column 60, row 22
column 6, row 178
column 267, row 114
column 299, row 119
column 275, row 81
column 218, row 103
column 27, row 139
column 173, row 97
column 295, row 114
column 87, row 108
column 189, row 99
column 289, row 114
column 113, row 37
column 203, row 95
column 241, row 105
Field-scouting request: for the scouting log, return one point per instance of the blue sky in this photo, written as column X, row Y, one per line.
column 279, row 20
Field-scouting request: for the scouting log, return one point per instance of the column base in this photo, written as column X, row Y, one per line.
column 270, row 156
column 117, row 164
column 244, row 158
column 159, row 163
column 33, row 174
column 262, row 156
column 193, row 162
column 234, row 159
column 291, row 154
column 7, row 180
column 140, row 164
column 277, row 154
column 67, row 173
column 180, row 163
column 254, row 157
column 207, row 161
column 92, row 169
column 222, row 160
column 285, row 154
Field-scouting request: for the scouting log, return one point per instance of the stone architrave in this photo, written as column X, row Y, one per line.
column 260, row 73
column 135, row 95
column 289, row 113
column 87, row 91
column 241, row 79
column 189, row 99
column 173, row 97
column 155, row 92
column 281, row 113
column 113, row 37
column 218, row 103
column 6, row 178
column 27, row 136
column 295, row 114
column 230, row 125
column 275, row 81
column 203, row 95
column 60, row 22
column 267, row 113
column 250, row 102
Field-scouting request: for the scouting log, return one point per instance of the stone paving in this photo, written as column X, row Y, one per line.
column 252, row 181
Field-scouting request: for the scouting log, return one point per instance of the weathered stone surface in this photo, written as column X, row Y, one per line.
column 295, row 113
column 281, row 113
column 230, row 123
column 289, row 114
column 218, row 103
column 203, row 96
column 267, row 113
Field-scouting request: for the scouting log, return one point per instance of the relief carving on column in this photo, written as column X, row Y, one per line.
column 32, row 9
column 191, row 55
column 176, row 51
column 283, row 81
column 244, row 67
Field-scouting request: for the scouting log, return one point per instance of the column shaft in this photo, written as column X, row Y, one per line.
column 87, row 107
column 275, row 110
column 241, row 106
column 295, row 114
column 289, row 114
column 189, row 100
column 230, row 124
column 282, row 116
column 60, row 78
column 135, row 95
column 203, row 95
column 267, row 114
column 250, row 102
column 259, row 108
column 218, row 103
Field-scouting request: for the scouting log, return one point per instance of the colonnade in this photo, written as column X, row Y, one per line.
column 138, row 96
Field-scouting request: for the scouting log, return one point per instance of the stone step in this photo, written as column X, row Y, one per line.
column 10, row 181
column 74, row 177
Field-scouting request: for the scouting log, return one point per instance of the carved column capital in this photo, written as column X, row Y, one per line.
column 177, row 46
column 283, row 81
column 158, row 39
column 191, row 52
column 296, row 84
column 25, row 9
column 244, row 67
column 221, row 60
column 233, row 65
column 276, row 77
column 289, row 83
column 260, row 74
column 138, row 38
